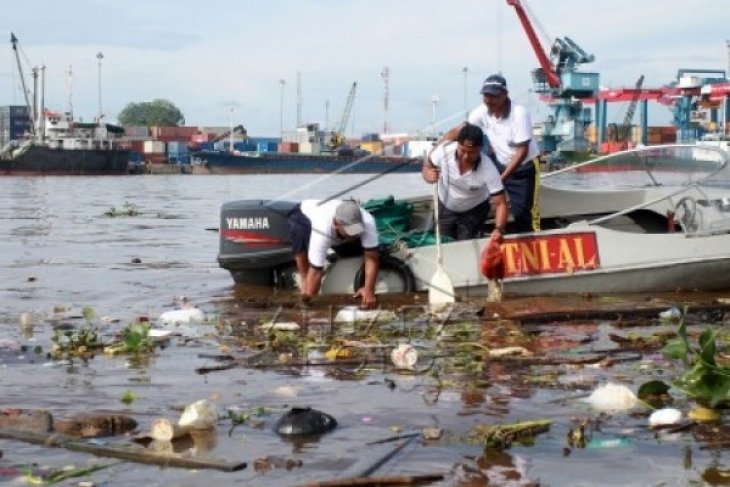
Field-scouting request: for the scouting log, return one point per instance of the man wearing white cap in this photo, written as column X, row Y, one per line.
column 316, row 226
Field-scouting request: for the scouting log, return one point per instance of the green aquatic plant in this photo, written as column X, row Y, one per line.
column 128, row 397
column 88, row 313
column 704, row 380
column 128, row 209
column 75, row 343
column 136, row 338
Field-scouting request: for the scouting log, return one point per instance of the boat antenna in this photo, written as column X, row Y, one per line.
column 299, row 99
column 69, row 86
column 31, row 115
column 386, row 95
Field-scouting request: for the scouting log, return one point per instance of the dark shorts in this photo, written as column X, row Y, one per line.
column 464, row 225
column 520, row 188
column 300, row 229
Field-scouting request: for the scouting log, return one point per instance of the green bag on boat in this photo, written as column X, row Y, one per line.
column 393, row 218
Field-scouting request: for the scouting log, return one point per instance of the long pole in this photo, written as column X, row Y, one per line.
column 230, row 129
column 99, row 57
column 282, row 82
column 42, row 105
column 31, row 110
column 434, row 102
column 465, row 70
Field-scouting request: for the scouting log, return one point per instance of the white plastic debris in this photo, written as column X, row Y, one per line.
column 612, row 397
column 664, row 417
column 404, row 356
column 281, row 325
column 181, row 316
column 672, row 314
column 352, row 314
column 157, row 333
column 199, row 415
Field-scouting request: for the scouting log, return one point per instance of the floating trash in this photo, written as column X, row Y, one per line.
column 281, row 326
column 199, row 415
column 352, row 314
column 304, row 421
column 612, row 397
column 672, row 314
column 404, row 356
column 608, row 443
column 665, row 417
column 179, row 316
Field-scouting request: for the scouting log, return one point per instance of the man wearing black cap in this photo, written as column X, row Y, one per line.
column 467, row 179
column 315, row 226
column 509, row 130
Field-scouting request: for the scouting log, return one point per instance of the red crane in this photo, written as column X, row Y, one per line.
column 547, row 68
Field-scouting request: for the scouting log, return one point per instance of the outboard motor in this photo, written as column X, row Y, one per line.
column 254, row 240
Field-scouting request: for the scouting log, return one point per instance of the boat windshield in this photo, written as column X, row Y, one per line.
column 660, row 165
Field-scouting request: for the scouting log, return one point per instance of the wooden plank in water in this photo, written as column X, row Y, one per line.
column 129, row 453
column 553, row 308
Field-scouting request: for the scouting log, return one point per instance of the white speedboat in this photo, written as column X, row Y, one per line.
column 649, row 219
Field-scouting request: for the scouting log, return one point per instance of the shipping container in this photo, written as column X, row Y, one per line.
column 289, row 147
column 154, row 147
column 266, row 146
column 173, row 132
column 202, row 137
column 136, row 131
column 243, row 146
column 370, row 137
column 374, row 147
column 177, row 148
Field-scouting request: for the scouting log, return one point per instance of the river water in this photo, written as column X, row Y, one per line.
column 60, row 252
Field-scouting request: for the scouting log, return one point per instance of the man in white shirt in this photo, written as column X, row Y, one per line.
column 316, row 226
column 467, row 180
column 508, row 128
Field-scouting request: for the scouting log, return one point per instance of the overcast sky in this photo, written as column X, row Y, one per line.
column 209, row 56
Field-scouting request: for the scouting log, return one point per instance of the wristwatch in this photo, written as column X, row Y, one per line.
column 500, row 229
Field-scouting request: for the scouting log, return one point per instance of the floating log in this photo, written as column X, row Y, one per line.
column 129, row 453
column 373, row 481
column 545, row 309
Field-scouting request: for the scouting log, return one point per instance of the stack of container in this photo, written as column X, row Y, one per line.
column 155, row 152
column 14, row 123
column 173, row 134
column 177, row 152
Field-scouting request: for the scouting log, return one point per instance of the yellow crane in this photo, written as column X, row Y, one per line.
column 337, row 136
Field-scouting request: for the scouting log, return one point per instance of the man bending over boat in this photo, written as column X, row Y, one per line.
column 467, row 179
column 316, row 226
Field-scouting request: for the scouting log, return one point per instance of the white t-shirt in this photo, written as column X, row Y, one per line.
column 323, row 233
column 462, row 192
column 505, row 133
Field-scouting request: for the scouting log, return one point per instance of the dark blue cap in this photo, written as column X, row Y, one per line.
column 494, row 85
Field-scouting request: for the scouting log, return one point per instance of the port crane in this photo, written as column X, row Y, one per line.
column 337, row 136
column 619, row 135
column 559, row 82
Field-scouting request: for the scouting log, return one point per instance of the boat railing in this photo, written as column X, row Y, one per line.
column 697, row 213
column 669, row 164
column 22, row 149
column 7, row 149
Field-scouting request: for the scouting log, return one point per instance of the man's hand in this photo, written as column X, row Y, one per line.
column 367, row 298
column 430, row 173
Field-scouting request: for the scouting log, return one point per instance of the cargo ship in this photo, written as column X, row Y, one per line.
column 66, row 148
column 305, row 150
column 253, row 162
column 41, row 142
